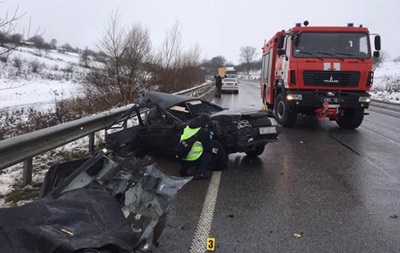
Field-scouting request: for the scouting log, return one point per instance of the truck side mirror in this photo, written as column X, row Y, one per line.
column 376, row 54
column 377, row 42
column 281, row 52
column 281, row 40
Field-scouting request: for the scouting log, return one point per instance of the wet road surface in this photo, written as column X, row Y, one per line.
column 318, row 189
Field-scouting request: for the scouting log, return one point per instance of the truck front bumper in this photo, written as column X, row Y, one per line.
column 312, row 99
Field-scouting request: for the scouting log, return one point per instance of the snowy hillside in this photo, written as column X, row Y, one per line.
column 387, row 82
column 32, row 78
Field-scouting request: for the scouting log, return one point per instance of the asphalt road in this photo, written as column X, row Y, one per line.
column 318, row 189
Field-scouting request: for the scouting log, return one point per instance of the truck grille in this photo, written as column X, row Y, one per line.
column 331, row 78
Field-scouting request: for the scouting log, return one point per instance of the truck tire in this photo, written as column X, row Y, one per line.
column 220, row 159
column 282, row 112
column 256, row 151
column 351, row 118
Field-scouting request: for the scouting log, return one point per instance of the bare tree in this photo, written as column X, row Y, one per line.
column 136, row 54
column 218, row 61
column 7, row 26
column 84, row 59
column 53, row 44
column 38, row 41
column 211, row 66
column 126, row 52
column 67, row 47
column 16, row 38
column 247, row 55
column 168, row 59
column 174, row 68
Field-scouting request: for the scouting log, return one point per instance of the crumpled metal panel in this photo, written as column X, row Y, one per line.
column 119, row 205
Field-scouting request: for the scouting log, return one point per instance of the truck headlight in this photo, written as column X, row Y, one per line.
column 364, row 99
column 294, row 97
column 244, row 124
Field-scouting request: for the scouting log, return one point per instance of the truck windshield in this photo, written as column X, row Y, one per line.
column 331, row 45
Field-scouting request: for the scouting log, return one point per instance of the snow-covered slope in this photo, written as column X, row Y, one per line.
column 387, row 82
column 33, row 78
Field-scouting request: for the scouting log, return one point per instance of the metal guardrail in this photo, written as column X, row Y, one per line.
column 24, row 147
column 385, row 104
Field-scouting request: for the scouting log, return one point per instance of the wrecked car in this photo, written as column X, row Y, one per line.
column 155, row 124
column 96, row 204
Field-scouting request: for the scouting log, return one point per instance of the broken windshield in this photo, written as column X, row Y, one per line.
column 332, row 44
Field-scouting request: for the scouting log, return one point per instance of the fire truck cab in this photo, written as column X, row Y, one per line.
column 319, row 70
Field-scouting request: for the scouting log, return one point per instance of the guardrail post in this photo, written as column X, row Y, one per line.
column 27, row 173
column 91, row 142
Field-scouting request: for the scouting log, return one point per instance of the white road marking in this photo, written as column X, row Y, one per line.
column 206, row 215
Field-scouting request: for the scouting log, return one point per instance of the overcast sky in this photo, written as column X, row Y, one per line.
column 218, row 27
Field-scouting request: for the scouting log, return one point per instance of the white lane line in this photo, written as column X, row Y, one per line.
column 206, row 215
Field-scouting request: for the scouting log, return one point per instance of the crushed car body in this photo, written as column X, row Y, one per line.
column 97, row 204
column 155, row 124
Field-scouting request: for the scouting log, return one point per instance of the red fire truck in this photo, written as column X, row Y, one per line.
column 319, row 70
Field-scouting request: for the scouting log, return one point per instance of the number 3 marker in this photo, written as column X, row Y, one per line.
column 210, row 244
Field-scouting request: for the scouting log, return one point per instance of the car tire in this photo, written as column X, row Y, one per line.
column 219, row 160
column 256, row 151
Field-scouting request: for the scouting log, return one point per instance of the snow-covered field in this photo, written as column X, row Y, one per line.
column 386, row 85
column 59, row 77
column 31, row 78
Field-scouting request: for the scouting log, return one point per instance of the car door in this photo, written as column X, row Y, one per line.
column 162, row 132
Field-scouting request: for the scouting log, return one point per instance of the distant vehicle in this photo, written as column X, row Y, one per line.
column 227, row 72
column 230, row 85
column 158, row 121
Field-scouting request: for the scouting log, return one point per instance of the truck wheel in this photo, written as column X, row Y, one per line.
column 256, row 151
column 220, row 159
column 282, row 112
column 351, row 118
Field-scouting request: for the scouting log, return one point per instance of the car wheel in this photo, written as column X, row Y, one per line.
column 220, row 159
column 256, row 151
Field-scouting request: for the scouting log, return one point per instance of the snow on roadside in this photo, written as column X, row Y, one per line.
column 386, row 85
column 32, row 78
column 38, row 94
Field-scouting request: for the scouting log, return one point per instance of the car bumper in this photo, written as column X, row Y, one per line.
column 314, row 99
column 230, row 88
column 249, row 138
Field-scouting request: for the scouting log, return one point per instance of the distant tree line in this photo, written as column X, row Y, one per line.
column 248, row 62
